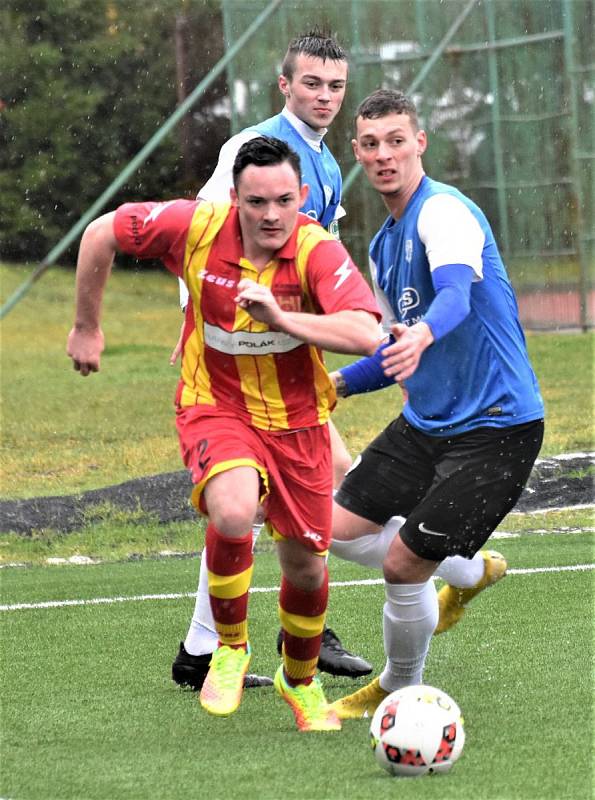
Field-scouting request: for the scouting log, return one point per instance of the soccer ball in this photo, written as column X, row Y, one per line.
column 417, row 730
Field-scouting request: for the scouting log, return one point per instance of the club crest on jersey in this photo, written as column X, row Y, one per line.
column 408, row 300
column 408, row 250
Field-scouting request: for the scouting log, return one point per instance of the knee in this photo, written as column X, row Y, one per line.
column 394, row 565
column 308, row 577
column 393, row 571
column 402, row 565
column 234, row 519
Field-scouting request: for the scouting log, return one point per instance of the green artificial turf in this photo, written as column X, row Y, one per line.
column 89, row 711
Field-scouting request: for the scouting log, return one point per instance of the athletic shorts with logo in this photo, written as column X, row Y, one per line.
column 454, row 491
column 294, row 467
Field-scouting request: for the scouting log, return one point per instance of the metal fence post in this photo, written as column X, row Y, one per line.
column 580, row 233
column 496, row 127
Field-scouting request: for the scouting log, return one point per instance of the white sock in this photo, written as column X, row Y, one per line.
column 202, row 636
column 409, row 618
column 369, row 550
column 462, row 572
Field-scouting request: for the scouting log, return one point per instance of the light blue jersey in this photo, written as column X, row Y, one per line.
column 318, row 167
column 479, row 374
column 319, row 170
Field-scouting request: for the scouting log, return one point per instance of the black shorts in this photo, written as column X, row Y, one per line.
column 454, row 491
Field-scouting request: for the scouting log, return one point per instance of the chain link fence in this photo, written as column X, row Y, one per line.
column 505, row 90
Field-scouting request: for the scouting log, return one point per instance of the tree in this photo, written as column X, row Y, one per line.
column 86, row 83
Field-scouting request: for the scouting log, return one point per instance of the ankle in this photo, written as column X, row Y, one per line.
column 293, row 682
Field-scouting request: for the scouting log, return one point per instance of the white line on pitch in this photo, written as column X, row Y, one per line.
column 99, row 601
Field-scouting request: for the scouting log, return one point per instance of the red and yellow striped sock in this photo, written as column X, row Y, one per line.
column 302, row 616
column 229, row 564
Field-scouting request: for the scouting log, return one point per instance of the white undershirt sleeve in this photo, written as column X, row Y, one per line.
column 450, row 233
column 216, row 189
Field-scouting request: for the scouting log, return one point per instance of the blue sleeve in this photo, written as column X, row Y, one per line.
column 452, row 303
column 366, row 375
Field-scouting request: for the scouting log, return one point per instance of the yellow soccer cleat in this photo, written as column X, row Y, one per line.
column 308, row 703
column 362, row 703
column 223, row 687
column 452, row 601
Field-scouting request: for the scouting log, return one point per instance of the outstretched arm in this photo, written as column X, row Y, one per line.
column 95, row 259
column 397, row 358
column 364, row 375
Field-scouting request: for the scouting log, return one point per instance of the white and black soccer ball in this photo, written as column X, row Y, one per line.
column 417, row 730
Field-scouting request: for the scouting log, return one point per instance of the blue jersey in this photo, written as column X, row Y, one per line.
column 319, row 170
column 479, row 374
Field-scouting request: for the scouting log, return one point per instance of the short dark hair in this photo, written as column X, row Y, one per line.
column 265, row 151
column 387, row 101
column 315, row 43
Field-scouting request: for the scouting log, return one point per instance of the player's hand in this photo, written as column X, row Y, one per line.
column 175, row 353
column 85, row 347
column 401, row 359
column 258, row 301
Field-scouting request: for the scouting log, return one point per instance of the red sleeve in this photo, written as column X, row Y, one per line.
column 155, row 230
column 335, row 282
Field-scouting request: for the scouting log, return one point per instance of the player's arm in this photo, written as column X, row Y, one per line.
column 215, row 190
column 347, row 314
column 345, row 331
column 453, row 241
column 184, row 297
column 452, row 303
column 96, row 256
column 367, row 374
column 340, row 332
column 398, row 359
column 364, row 375
column 145, row 230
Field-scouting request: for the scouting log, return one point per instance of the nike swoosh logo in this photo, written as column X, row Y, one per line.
column 423, row 529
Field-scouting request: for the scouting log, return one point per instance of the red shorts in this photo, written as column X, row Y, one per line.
column 294, row 467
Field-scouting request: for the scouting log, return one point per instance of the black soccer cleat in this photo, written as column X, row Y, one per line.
column 333, row 657
column 252, row 681
column 191, row 671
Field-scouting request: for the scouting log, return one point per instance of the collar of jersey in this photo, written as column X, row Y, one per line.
column 230, row 240
column 309, row 135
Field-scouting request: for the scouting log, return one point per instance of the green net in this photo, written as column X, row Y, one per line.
column 509, row 110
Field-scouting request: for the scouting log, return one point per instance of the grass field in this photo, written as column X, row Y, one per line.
column 89, row 712
column 62, row 433
column 88, row 709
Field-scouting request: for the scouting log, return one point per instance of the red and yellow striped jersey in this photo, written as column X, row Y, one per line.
column 268, row 378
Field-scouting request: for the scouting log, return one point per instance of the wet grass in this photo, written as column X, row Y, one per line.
column 113, row 535
column 62, row 434
column 117, row 536
column 87, row 689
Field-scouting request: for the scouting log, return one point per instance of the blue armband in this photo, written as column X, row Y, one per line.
column 452, row 303
column 366, row 375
